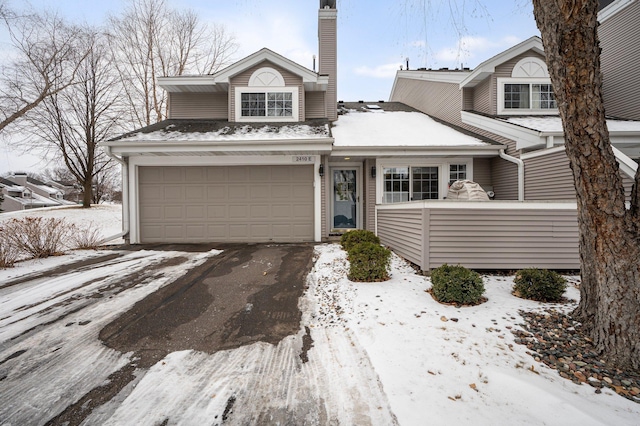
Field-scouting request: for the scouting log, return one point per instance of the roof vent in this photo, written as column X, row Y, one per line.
column 381, row 101
column 360, row 102
column 444, row 69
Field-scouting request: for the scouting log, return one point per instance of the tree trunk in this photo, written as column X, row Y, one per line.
column 86, row 196
column 609, row 237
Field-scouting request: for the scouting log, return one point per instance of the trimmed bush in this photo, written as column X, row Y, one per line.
column 369, row 262
column 351, row 238
column 456, row 284
column 539, row 284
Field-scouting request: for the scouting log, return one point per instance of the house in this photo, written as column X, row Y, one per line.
column 19, row 197
column 257, row 152
column 262, row 151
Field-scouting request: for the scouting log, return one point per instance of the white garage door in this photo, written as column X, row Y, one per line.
column 217, row 204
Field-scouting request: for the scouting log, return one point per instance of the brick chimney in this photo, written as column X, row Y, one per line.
column 328, row 53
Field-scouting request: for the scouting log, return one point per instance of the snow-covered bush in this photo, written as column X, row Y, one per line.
column 456, row 284
column 539, row 284
column 369, row 262
column 351, row 238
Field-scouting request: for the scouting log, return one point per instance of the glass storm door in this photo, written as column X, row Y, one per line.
column 345, row 199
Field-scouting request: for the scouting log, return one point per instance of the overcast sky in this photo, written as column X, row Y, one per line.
column 374, row 37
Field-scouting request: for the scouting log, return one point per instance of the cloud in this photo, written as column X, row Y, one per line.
column 381, row 71
column 469, row 48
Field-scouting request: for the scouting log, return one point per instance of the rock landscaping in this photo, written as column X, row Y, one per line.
column 559, row 342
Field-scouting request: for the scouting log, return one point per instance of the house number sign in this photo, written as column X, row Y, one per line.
column 304, row 158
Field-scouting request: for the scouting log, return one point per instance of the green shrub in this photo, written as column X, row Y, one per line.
column 351, row 238
column 539, row 284
column 369, row 262
column 456, row 284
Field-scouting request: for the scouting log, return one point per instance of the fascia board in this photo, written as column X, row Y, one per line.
column 489, row 67
column 307, row 75
column 612, row 9
column 439, row 151
column 524, row 137
column 266, row 145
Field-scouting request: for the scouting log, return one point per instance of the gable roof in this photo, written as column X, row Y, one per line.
column 488, row 67
column 219, row 81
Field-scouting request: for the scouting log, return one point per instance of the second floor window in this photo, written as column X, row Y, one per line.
column 269, row 104
column 529, row 96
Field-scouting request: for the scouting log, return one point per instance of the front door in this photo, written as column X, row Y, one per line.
column 346, row 199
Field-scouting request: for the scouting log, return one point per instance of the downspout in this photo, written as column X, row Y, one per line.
column 520, row 165
column 125, row 197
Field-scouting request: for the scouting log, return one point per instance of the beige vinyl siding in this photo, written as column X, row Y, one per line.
column 501, row 238
column 467, row 98
column 369, row 205
column 315, row 105
column 401, row 231
column 505, row 179
column 328, row 63
column 212, row 106
column 440, row 100
column 242, row 80
column 482, row 172
column 484, row 98
column 549, row 177
column 619, row 40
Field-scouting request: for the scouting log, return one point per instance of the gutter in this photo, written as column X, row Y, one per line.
column 520, row 165
column 125, row 197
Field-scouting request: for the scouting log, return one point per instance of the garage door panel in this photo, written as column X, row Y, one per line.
column 195, row 174
column 173, row 174
column 174, row 193
column 195, row 212
column 216, row 191
column 173, row 213
column 226, row 203
column 217, row 212
column 194, row 193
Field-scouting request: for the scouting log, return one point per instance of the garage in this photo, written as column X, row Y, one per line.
column 226, row 203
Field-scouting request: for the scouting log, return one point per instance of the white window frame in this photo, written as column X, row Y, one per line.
column 270, row 89
column 522, row 111
column 443, row 173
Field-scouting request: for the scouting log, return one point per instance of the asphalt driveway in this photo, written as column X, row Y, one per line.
column 176, row 334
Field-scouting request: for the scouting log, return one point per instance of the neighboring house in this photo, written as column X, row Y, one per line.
column 23, row 192
column 258, row 152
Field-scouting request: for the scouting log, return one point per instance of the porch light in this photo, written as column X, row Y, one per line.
column 321, row 170
column 373, row 171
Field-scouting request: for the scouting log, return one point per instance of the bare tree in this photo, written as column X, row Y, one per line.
column 72, row 122
column 41, row 63
column 150, row 40
column 609, row 233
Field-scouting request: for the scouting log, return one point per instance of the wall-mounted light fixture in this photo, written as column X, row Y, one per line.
column 373, row 171
column 321, row 170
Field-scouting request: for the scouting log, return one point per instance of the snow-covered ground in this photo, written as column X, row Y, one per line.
column 382, row 353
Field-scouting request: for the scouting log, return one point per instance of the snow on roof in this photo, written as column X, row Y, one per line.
column 553, row 124
column 396, row 128
column 228, row 133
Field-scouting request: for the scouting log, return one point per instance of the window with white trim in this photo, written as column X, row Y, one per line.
column 269, row 104
column 457, row 172
column 403, row 184
column 528, row 90
column 266, row 98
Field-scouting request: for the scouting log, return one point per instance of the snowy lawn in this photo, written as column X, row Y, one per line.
column 382, row 353
column 442, row 365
